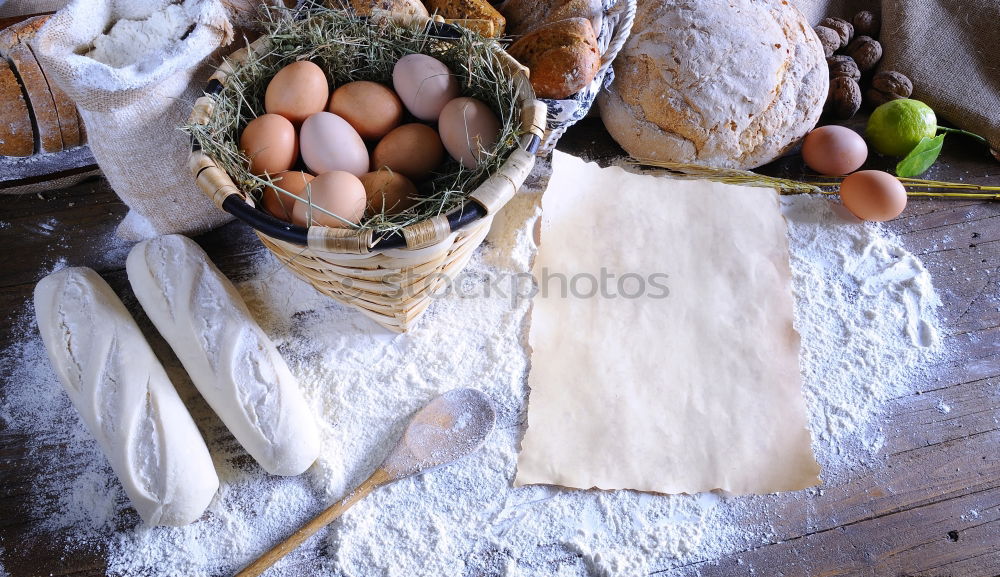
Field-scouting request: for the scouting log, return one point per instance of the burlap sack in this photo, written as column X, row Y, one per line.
column 23, row 7
column 948, row 48
column 132, row 114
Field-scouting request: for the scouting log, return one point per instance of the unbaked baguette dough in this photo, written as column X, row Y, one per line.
column 231, row 361
column 728, row 83
column 124, row 397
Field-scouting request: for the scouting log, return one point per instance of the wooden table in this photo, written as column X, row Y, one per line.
column 931, row 509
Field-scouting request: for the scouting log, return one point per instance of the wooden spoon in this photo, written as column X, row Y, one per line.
column 448, row 428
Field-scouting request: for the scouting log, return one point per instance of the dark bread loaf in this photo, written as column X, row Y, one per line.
column 469, row 10
column 53, row 114
column 563, row 57
column 17, row 137
column 43, row 106
column 524, row 16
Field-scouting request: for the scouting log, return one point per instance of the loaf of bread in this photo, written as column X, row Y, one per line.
column 469, row 10
column 124, row 397
column 231, row 361
column 43, row 105
column 524, row 16
column 563, row 57
column 17, row 136
column 408, row 7
column 53, row 113
column 20, row 32
column 727, row 83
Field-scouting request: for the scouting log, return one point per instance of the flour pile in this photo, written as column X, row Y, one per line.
column 865, row 309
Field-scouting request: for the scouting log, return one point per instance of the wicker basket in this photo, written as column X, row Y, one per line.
column 615, row 29
column 392, row 278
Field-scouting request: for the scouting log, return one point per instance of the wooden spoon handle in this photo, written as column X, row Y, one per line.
column 378, row 478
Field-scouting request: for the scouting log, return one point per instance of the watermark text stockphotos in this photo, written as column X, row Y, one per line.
column 524, row 285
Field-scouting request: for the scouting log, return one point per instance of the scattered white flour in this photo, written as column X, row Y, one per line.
column 865, row 309
column 142, row 41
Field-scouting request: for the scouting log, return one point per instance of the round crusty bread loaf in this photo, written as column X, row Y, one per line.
column 726, row 83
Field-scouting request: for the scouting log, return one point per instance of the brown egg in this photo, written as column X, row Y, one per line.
column 371, row 108
column 297, row 91
column 873, row 195
column 413, row 150
column 269, row 141
column 834, row 150
column 388, row 191
column 279, row 204
column 338, row 192
column 468, row 130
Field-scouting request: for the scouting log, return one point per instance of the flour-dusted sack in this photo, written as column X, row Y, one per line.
column 946, row 47
column 134, row 69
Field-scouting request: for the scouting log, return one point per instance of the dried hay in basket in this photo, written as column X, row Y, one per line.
column 390, row 265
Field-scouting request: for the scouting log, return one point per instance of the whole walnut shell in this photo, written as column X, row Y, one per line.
column 844, row 28
column 867, row 23
column 892, row 82
column 889, row 85
column 844, row 98
column 829, row 38
column 866, row 52
column 841, row 65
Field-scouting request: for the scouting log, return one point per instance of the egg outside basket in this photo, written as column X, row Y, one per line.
column 615, row 30
column 391, row 277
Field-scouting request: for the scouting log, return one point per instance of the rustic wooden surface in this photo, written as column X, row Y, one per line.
column 931, row 509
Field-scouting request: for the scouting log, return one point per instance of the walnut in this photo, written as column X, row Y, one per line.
column 842, row 27
column 893, row 82
column 888, row 85
column 867, row 23
column 841, row 65
column 866, row 52
column 844, row 98
column 829, row 38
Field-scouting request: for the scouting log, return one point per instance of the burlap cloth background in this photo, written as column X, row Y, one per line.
column 950, row 49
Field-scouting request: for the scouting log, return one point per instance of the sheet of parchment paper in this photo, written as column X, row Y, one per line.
column 681, row 373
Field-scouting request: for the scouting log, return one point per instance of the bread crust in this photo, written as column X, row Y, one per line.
column 562, row 56
column 728, row 84
column 468, row 10
column 58, row 106
column 17, row 137
column 524, row 16
column 43, row 106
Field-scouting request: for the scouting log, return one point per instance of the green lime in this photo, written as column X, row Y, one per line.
column 897, row 126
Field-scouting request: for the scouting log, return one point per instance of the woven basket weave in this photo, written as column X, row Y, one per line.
column 615, row 30
column 393, row 278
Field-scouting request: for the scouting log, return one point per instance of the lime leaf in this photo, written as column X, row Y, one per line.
column 921, row 157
